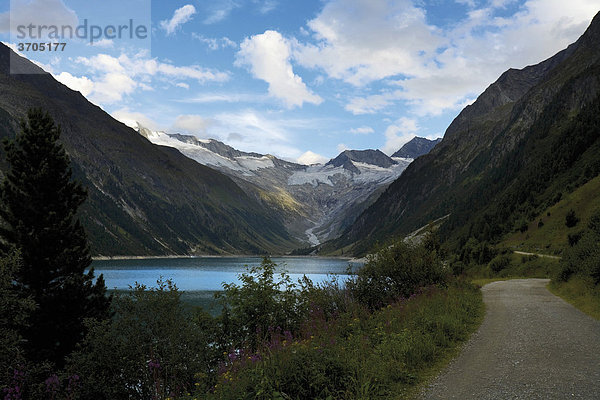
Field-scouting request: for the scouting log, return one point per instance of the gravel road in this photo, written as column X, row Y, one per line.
column 531, row 345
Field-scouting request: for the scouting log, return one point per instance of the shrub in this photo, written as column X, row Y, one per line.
column 262, row 304
column 395, row 272
column 571, row 219
column 152, row 348
column 499, row 263
column 574, row 238
column 522, row 225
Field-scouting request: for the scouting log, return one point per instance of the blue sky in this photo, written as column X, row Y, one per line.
column 300, row 79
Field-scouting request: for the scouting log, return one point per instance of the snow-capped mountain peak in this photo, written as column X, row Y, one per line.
column 315, row 201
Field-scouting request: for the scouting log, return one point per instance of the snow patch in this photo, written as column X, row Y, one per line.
column 316, row 174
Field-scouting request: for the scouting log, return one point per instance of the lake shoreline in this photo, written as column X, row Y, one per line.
column 172, row 257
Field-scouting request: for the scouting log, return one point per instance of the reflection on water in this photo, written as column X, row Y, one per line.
column 209, row 273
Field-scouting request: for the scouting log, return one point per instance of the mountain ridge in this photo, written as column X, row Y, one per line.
column 416, row 147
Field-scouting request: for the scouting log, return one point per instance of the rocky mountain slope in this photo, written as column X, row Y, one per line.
column 143, row 199
column 416, row 148
column 316, row 202
column 531, row 135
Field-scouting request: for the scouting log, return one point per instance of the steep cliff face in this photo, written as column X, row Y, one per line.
column 476, row 146
column 416, row 148
column 143, row 199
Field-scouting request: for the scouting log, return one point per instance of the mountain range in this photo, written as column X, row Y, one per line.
column 152, row 193
column 530, row 137
column 316, row 202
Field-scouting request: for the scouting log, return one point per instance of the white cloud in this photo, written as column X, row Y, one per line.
column 180, row 17
column 192, row 124
column 192, row 72
column 268, row 57
column 362, row 41
column 434, row 69
column 309, row 158
column 215, row 43
column 371, row 104
column 182, row 85
column 112, row 78
column 363, row 130
column 220, row 10
column 398, row 134
column 81, row 84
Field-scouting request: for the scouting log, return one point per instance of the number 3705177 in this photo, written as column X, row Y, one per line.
column 41, row 46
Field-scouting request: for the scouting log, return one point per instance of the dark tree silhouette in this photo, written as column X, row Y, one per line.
column 39, row 219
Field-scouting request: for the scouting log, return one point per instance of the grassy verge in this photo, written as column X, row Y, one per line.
column 581, row 293
column 517, row 267
column 381, row 355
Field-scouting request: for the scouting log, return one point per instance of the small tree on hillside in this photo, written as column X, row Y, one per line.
column 38, row 218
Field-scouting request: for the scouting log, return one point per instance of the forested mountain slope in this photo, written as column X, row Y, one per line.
column 144, row 199
column 531, row 135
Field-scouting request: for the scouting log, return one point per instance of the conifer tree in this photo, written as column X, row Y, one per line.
column 38, row 216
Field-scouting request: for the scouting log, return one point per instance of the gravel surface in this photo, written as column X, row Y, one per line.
column 531, row 345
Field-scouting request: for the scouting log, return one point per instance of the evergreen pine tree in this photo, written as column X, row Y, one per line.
column 39, row 219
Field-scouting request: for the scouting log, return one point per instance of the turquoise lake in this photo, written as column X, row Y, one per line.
column 209, row 273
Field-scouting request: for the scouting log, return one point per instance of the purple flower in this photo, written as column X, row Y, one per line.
column 153, row 365
column 52, row 384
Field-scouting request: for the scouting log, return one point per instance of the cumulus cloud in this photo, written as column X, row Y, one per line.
column 268, row 57
column 309, row 158
column 81, row 84
column 361, row 41
column 104, row 43
column 371, row 104
column 111, row 78
column 433, row 69
column 180, row 17
column 224, row 97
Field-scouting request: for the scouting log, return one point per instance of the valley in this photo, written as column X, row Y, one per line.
column 317, row 202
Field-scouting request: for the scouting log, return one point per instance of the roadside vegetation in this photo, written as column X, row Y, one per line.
column 379, row 335
column 565, row 240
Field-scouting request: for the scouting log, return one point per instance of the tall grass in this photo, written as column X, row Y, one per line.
column 359, row 355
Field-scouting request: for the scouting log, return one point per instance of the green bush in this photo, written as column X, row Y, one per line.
column 583, row 257
column 152, row 348
column 397, row 271
column 571, row 219
column 499, row 263
column 262, row 304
